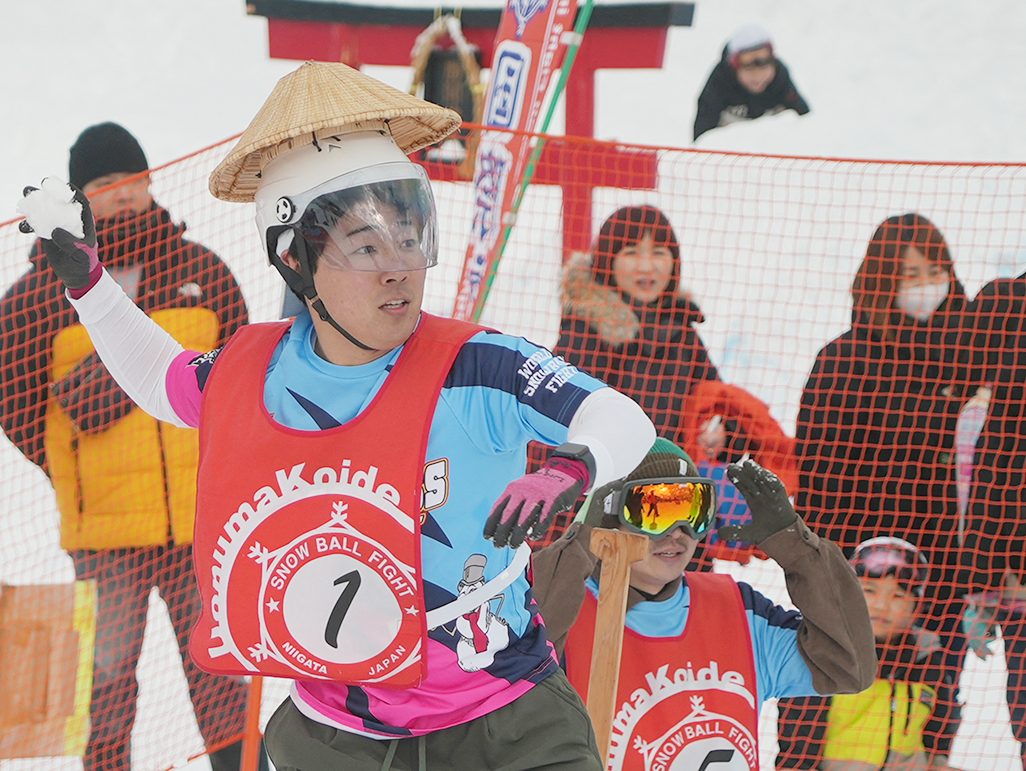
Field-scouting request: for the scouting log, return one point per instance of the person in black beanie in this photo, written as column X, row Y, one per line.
column 125, row 483
column 101, row 151
column 748, row 82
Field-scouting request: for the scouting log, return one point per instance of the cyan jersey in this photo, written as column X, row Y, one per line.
column 780, row 670
column 500, row 393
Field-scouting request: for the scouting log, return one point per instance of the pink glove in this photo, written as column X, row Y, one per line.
column 528, row 505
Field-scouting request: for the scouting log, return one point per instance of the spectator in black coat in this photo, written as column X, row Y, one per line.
column 626, row 322
column 748, row 82
column 995, row 547
column 876, row 429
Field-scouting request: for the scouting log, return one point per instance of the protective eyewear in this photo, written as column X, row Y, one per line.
column 757, row 64
column 654, row 507
column 890, row 556
column 377, row 219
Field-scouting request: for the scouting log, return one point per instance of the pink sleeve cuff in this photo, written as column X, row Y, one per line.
column 183, row 391
column 94, row 276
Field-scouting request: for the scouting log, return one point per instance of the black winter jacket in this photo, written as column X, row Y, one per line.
column 657, row 368
column 875, row 437
column 724, row 100
column 996, row 540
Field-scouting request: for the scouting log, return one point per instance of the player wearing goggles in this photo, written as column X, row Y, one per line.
column 693, row 635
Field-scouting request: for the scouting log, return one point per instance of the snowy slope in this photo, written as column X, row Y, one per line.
column 930, row 80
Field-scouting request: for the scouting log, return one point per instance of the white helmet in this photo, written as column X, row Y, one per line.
column 354, row 202
column 363, row 176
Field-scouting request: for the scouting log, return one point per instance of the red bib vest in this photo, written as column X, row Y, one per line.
column 307, row 543
column 686, row 702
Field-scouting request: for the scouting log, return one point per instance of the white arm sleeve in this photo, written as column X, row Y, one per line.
column 135, row 349
column 615, row 429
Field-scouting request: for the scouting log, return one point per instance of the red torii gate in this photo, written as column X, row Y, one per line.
column 618, row 37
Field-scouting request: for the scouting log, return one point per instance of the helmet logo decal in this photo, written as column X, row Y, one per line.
column 284, row 209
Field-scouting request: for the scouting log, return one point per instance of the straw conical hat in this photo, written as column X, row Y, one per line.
column 318, row 100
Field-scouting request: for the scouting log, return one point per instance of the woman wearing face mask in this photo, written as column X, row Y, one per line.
column 875, row 433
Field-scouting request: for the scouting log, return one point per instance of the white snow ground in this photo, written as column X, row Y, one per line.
column 932, row 80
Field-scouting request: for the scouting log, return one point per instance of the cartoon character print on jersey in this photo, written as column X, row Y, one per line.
column 712, row 734
column 503, row 662
column 481, row 632
column 479, row 637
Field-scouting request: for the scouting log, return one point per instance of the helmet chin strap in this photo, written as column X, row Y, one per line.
column 303, row 283
column 318, row 306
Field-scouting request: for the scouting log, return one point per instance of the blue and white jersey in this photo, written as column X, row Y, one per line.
column 500, row 393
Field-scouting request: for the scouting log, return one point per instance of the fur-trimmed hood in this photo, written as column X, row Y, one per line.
column 612, row 313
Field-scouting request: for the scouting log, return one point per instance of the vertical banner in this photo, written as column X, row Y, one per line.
column 529, row 48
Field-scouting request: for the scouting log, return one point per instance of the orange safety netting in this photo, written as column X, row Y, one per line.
column 767, row 330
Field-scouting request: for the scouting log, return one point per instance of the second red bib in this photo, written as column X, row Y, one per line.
column 686, row 702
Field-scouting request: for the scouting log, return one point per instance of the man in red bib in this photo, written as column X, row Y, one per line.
column 701, row 652
column 362, row 502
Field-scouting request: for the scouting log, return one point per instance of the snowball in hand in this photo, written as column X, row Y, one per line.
column 52, row 206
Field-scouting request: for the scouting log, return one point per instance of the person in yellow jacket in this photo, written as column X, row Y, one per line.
column 125, row 483
column 882, row 727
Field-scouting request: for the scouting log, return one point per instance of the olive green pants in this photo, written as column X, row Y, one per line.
column 546, row 728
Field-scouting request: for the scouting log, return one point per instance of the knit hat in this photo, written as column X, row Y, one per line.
column 664, row 459
column 320, row 100
column 103, row 149
column 748, row 38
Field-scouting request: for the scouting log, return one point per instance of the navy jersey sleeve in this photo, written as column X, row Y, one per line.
column 509, row 391
column 779, row 667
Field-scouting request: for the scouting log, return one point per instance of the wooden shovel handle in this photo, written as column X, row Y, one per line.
column 617, row 550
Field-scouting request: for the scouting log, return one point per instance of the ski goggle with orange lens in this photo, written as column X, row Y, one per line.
column 654, row 507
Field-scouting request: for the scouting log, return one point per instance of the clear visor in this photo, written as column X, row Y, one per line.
column 381, row 218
